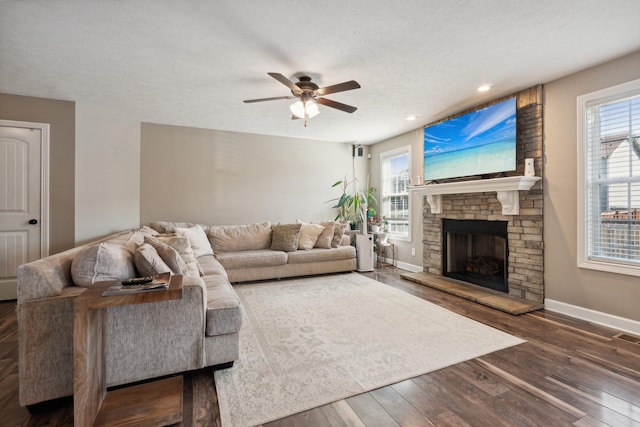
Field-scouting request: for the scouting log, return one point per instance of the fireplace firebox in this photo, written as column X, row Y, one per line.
column 476, row 252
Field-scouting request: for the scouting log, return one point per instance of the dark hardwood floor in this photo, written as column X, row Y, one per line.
column 569, row 372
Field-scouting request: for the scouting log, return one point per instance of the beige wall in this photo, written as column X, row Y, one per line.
column 107, row 172
column 60, row 115
column 403, row 248
column 218, row 177
column 604, row 292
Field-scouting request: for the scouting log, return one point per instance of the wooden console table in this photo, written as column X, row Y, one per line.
column 153, row 403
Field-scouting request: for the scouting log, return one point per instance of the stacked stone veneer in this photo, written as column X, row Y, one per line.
column 526, row 261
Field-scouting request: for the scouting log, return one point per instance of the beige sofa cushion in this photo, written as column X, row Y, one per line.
column 321, row 255
column 284, row 237
column 104, row 261
column 233, row 238
column 210, row 266
column 148, row 262
column 251, row 259
column 224, row 312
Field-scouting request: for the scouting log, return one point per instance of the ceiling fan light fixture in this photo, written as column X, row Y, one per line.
column 297, row 109
column 312, row 109
column 304, row 110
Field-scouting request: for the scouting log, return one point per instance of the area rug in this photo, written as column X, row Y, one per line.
column 312, row 341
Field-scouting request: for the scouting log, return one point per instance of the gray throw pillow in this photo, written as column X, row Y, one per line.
column 148, row 261
column 285, row 237
column 104, row 261
column 182, row 245
column 170, row 256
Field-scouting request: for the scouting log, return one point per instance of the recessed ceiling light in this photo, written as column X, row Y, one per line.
column 484, row 88
column 412, row 117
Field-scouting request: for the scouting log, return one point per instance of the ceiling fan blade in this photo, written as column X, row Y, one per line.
column 267, row 99
column 340, row 87
column 288, row 83
column 338, row 105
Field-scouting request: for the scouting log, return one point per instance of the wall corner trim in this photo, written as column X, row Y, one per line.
column 593, row 316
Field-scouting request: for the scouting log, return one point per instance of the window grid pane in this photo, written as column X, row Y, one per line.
column 613, row 181
column 395, row 193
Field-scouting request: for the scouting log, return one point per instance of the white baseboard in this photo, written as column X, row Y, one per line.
column 598, row 317
column 404, row 265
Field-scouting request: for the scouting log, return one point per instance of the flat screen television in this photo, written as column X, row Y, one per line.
column 476, row 143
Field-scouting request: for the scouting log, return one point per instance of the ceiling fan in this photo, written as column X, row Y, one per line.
column 309, row 96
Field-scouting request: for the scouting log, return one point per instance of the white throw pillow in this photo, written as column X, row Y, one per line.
column 309, row 235
column 198, row 239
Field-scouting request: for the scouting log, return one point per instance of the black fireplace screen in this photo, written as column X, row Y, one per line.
column 476, row 252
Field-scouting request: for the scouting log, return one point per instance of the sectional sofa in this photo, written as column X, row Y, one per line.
column 153, row 340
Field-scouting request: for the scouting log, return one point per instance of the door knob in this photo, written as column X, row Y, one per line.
column 33, row 221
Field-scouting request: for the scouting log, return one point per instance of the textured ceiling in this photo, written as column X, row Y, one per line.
column 191, row 63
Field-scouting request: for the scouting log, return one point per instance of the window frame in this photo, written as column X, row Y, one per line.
column 583, row 103
column 384, row 156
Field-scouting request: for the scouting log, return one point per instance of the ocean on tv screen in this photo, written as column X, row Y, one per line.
column 477, row 143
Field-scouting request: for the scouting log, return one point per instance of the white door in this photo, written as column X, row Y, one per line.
column 23, row 152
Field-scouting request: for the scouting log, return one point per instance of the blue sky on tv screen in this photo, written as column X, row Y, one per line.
column 495, row 123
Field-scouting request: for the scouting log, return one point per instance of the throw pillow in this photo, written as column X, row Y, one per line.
column 148, row 261
column 197, row 238
column 326, row 237
column 309, row 234
column 168, row 227
column 148, row 230
column 341, row 228
column 170, row 256
column 182, row 245
column 285, row 237
column 104, row 261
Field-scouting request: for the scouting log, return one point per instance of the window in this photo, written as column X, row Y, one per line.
column 395, row 191
column 609, row 179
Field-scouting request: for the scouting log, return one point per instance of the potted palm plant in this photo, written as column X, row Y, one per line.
column 344, row 203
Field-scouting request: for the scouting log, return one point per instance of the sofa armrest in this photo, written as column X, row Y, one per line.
column 152, row 340
column 45, row 347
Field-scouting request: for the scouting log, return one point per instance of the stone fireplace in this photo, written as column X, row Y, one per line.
column 501, row 202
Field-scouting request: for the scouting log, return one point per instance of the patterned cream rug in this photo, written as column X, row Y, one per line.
column 312, row 341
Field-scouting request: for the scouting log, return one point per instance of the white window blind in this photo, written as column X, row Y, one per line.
column 611, row 179
column 395, row 191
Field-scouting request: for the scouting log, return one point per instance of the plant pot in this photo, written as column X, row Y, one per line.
column 375, row 228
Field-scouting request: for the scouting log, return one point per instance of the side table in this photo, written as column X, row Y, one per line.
column 153, row 403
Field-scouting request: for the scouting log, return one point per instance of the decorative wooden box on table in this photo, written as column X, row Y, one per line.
column 153, row 403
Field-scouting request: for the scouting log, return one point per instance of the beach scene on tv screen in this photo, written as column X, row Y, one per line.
column 477, row 143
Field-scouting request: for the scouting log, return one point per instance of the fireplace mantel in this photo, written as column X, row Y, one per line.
column 507, row 189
